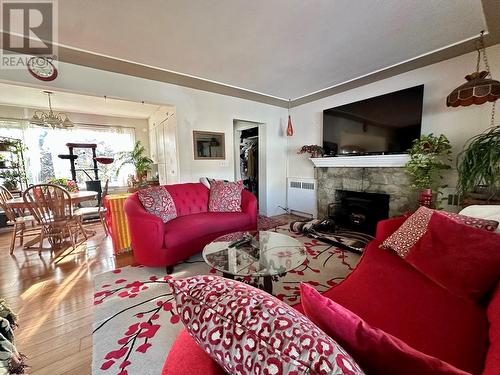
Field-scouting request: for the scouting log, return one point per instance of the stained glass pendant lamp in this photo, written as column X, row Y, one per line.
column 480, row 86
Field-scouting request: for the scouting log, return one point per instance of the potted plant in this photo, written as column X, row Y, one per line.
column 429, row 156
column 2, row 161
column 137, row 157
column 6, row 144
column 10, row 179
column 314, row 151
column 478, row 166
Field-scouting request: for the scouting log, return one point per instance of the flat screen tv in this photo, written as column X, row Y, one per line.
column 386, row 124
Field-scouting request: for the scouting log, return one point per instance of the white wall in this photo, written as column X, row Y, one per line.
column 458, row 124
column 196, row 110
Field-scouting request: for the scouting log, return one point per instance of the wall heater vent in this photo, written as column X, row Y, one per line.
column 302, row 195
column 308, row 185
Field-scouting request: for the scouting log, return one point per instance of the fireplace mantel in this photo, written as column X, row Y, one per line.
column 366, row 161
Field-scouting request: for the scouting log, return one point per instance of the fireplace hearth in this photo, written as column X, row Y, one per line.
column 359, row 211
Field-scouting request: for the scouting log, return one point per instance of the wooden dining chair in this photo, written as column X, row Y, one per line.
column 100, row 210
column 23, row 225
column 52, row 208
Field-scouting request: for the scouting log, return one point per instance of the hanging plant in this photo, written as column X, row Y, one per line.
column 478, row 165
column 429, row 156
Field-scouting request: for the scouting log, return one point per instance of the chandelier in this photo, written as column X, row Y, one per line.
column 480, row 86
column 51, row 119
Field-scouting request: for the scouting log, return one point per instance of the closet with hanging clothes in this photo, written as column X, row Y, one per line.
column 249, row 159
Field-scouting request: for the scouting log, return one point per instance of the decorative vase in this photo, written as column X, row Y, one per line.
column 425, row 198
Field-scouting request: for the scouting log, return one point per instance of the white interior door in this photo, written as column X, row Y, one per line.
column 170, row 150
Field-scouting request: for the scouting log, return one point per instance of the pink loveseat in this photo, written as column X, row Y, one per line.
column 164, row 244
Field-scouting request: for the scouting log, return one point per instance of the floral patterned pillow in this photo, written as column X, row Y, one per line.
column 408, row 234
column 489, row 225
column 248, row 331
column 158, row 201
column 225, row 196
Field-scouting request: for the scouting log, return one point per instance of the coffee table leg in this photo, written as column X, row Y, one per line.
column 268, row 284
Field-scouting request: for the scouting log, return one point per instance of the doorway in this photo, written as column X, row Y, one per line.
column 248, row 156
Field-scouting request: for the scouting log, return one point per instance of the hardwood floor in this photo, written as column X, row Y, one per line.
column 53, row 297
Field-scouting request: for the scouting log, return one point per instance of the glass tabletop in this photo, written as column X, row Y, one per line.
column 255, row 253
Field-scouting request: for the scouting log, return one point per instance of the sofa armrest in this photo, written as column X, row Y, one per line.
column 249, row 205
column 146, row 230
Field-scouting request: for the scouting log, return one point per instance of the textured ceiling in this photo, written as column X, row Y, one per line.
column 281, row 48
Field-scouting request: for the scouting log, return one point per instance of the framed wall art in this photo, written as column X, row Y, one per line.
column 209, row 145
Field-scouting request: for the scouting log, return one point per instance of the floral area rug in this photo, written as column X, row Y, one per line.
column 268, row 223
column 135, row 322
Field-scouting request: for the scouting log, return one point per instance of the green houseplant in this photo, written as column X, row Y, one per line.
column 429, row 156
column 138, row 158
column 10, row 179
column 478, row 165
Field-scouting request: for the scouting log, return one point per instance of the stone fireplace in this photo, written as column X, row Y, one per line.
column 359, row 211
column 383, row 180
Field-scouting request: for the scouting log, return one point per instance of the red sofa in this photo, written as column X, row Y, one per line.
column 164, row 244
column 390, row 294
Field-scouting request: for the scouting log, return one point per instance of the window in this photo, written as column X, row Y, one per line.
column 44, row 145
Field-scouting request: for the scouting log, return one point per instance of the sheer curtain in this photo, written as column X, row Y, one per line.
column 44, row 145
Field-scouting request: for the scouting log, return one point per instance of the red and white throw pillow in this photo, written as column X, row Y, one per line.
column 410, row 232
column 158, row 201
column 248, row 331
column 207, row 181
column 489, row 225
column 225, row 196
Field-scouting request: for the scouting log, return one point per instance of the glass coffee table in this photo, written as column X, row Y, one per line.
column 263, row 254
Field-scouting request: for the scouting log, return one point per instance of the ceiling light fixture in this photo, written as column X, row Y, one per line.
column 480, row 87
column 51, row 119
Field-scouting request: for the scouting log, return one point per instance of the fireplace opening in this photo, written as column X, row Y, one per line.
column 359, row 211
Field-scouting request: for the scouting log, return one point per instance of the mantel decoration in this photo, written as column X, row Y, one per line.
column 480, row 86
column 314, row 151
column 51, row 119
column 429, row 156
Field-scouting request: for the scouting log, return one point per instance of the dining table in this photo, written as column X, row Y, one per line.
column 77, row 197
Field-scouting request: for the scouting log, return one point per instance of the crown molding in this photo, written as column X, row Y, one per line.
column 84, row 58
